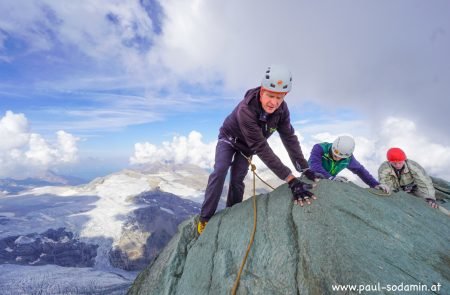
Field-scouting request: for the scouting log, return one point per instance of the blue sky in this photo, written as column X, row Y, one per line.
column 111, row 74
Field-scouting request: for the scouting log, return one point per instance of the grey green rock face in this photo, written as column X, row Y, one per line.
column 347, row 236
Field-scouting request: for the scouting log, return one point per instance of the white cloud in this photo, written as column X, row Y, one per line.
column 403, row 133
column 86, row 41
column 39, row 152
column 25, row 154
column 68, row 149
column 99, row 29
column 182, row 150
column 13, row 131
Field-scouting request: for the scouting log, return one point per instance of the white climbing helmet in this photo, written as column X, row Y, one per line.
column 343, row 146
column 277, row 79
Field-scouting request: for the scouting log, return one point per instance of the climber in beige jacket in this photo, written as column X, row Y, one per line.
column 400, row 173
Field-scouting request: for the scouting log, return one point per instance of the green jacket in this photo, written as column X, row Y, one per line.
column 412, row 173
column 331, row 166
column 322, row 162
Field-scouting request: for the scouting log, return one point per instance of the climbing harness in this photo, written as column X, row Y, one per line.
column 253, row 167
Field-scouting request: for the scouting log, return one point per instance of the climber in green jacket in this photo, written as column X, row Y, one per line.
column 329, row 159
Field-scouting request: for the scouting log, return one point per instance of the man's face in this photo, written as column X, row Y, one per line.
column 397, row 165
column 336, row 158
column 271, row 101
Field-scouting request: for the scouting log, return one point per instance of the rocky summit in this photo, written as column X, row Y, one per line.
column 349, row 237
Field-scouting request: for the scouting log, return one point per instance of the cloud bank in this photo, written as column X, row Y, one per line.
column 26, row 154
column 181, row 150
column 371, row 152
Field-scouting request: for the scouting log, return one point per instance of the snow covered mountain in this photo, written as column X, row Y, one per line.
column 48, row 178
column 111, row 227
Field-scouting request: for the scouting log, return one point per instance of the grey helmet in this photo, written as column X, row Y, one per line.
column 277, row 79
column 343, row 146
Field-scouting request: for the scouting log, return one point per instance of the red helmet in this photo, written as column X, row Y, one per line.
column 396, row 155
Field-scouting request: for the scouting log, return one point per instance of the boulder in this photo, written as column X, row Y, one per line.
column 348, row 236
column 442, row 188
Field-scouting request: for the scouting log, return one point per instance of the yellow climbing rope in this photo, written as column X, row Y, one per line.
column 250, row 243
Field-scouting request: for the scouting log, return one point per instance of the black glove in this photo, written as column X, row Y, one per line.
column 410, row 188
column 300, row 189
column 311, row 175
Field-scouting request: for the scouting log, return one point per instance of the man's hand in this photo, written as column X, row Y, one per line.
column 432, row 202
column 300, row 192
column 311, row 175
column 339, row 179
column 384, row 188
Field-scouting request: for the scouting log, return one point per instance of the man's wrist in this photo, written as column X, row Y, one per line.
column 289, row 178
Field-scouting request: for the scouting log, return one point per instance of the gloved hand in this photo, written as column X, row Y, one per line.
column 311, row 175
column 300, row 191
column 384, row 188
column 432, row 202
column 339, row 178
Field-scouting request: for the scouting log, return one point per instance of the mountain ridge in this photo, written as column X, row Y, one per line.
column 120, row 216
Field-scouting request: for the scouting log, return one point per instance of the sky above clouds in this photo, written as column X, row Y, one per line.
column 112, row 83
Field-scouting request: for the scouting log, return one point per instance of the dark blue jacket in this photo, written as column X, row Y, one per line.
column 248, row 129
column 320, row 158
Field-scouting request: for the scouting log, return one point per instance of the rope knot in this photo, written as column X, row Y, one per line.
column 253, row 167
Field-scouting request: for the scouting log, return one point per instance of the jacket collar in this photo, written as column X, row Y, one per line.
column 404, row 171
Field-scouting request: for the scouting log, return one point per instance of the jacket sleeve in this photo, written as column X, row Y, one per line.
column 362, row 172
column 291, row 142
column 315, row 161
column 425, row 188
column 385, row 176
column 257, row 143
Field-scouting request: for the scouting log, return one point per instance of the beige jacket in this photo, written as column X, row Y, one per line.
column 413, row 173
